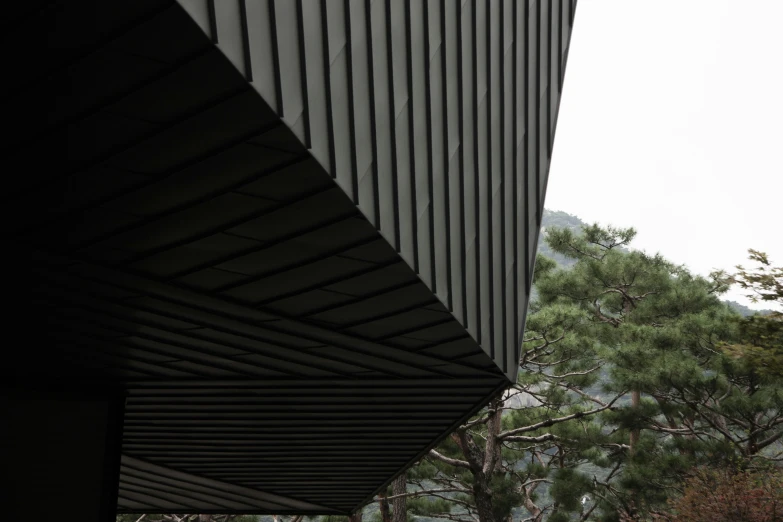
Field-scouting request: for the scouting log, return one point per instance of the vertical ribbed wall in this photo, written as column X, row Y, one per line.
column 436, row 117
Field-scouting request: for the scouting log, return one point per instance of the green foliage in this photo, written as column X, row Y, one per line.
column 761, row 335
column 657, row 328
column 429, row 506
column 765, row 282
column 622, row 390
column 506, row 496
column 555, row 219
column 568, row 487
column 745, row 311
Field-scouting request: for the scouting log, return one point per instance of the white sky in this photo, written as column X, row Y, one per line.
column 670, row 122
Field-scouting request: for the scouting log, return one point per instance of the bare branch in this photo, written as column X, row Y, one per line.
column 573, row 374
column 430, row 492
column 550, row 422
column 448, row 460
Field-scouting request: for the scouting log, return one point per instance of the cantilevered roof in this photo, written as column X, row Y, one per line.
column 298, row 235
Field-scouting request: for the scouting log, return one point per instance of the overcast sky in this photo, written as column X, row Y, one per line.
column 670, row 122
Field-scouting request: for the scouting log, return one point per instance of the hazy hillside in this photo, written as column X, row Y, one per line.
column 559, row 219
column 744, row 311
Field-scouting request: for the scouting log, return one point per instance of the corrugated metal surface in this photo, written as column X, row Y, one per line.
column 436, row 118
column 299, row 235
column 148, row 487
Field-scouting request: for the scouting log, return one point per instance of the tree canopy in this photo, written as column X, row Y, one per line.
column 623, row 392
column 760, row 335
column 640, row 396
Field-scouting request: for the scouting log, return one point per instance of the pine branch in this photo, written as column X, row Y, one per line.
column 541, row 438
column 585, row 395
column 575, row 374
column 448, row 460
column 467, row 506
column 760, row 445
column 454, row 517
column 475, row 422
column 534, row 352
column 551, row 422
column 430, row 492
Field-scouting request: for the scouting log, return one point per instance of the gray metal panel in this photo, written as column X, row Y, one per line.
column 482, row 172
column 319, row 124
column 384, row 123
column 403, row 144
column 363, row 112
column 231, row 31
column 507, row 219
column 545, row 41
column 421, row 140
column 261, row 26
column 451, row 49
column 201, row 13
column 532, row 138
column 419, row 137
column 470, row 176
column 555, row 56
column 436, row 103
column 496, row 185
column 519, row 223
column 289, row 85
column 341, row 102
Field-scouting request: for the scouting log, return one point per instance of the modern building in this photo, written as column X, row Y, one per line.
column 261, row 255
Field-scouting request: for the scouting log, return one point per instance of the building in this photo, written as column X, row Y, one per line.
column 263, row 254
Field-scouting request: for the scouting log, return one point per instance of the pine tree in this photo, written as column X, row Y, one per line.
column 622, row 392
column 659, row 329
column 761, row 336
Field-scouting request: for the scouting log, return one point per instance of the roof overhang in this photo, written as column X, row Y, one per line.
column 298, row 236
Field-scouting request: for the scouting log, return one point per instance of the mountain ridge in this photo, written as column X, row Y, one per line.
column 560, row 219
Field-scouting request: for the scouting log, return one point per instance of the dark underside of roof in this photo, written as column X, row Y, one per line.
column 168, row 235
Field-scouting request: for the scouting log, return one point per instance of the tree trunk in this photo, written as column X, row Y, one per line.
column 384, row 505
column 483, row 498
column 636, row 399
column 399, row 504
column 482, row 463
column 492, row 447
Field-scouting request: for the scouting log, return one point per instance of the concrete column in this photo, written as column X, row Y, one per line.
column 60, row 454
